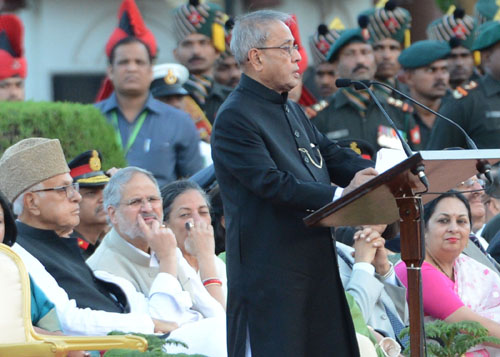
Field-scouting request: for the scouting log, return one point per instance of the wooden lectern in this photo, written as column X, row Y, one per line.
column 397, row 194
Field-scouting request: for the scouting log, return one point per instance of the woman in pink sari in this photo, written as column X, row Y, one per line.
column 454, row 286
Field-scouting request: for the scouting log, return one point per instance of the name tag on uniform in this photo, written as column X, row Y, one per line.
column 493, row 114
column 334, row 135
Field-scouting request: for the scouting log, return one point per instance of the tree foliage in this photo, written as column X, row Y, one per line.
column 78, row 127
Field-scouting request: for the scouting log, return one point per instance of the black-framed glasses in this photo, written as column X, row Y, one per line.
column 141, row 202
column 70, row 190
column 287, row 49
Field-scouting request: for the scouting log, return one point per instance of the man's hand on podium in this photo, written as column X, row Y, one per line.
column 360, row 178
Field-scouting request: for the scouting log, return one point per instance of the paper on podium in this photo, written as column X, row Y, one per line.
column 388, row 158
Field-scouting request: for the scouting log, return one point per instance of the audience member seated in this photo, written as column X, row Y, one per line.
column 144, row 252
column 34, row 174
column 454, row 286
column 186, row 211
column 369, row 277
column 43, row 313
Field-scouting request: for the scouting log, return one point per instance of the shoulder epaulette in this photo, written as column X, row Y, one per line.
column 463, row 91
column 398, row 103
column 322, row 104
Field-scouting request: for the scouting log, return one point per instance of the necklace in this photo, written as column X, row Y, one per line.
column 436, row 264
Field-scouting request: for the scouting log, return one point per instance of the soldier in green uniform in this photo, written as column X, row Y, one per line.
column 458, row 29
column 476, row 110
column 324, row 72
column 426, row 73
column 199, row 29
column 389, row 28
column 85, row 169
column 352, row 114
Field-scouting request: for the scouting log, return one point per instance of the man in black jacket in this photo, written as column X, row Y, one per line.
column 274, row 167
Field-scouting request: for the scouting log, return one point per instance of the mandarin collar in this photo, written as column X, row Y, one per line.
column 261, row 90
column 25, row 230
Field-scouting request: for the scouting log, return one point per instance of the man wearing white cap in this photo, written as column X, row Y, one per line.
column 167, row 85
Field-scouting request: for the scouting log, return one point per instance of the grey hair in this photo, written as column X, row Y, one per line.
column 18, row 205
column 252, row 31
column 174, row 189
column 113, row 191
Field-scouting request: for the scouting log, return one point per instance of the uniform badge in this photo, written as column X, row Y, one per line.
column 415, row 135
column 354, row 147
column 95, row 162
column 170, row 78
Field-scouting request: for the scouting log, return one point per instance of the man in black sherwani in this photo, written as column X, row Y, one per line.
column 274, row 168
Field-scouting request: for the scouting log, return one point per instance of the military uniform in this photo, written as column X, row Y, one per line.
column 342, row 120
column 207, row 19
column 477, row 110
column 85, row 169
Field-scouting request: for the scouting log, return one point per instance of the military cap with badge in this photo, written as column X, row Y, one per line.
column 168, row 80
column 86, row 169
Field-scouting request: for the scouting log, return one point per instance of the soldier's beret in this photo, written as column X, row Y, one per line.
column 486, row 10
column 348, row 36
column 423, row 53
column 487, row 35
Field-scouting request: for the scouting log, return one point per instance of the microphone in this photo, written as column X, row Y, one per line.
column 365, row 84
column 482, row 166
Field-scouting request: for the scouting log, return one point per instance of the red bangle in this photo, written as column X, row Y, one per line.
column 212, row 281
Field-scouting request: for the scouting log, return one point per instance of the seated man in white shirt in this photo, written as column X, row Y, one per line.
column 34, row 174
column 141, row 250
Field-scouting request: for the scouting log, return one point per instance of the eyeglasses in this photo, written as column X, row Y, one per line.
column 154, row 201
column 470, row 182
column 287, row 49
column 70, row 190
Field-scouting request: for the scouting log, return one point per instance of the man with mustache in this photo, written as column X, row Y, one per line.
column 201, row 39
column 141, row 250
column 389, row 28
column 426, row 74
column 458, row 29
column 153, row 135
column 352, row 114
column 477, row 110
column 86, row 171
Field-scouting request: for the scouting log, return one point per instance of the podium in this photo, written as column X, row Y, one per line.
column 398, row 194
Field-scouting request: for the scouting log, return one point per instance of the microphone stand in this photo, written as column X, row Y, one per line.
column 419, row 170
column 482, row 166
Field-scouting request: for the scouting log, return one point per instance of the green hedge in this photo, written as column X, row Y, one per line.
column 79, row 127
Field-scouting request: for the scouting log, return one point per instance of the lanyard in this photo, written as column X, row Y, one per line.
column 133, row 136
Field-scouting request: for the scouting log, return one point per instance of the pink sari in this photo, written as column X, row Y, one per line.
column 479, row 289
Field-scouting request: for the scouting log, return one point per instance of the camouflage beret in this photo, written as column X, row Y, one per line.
column 423, row 53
